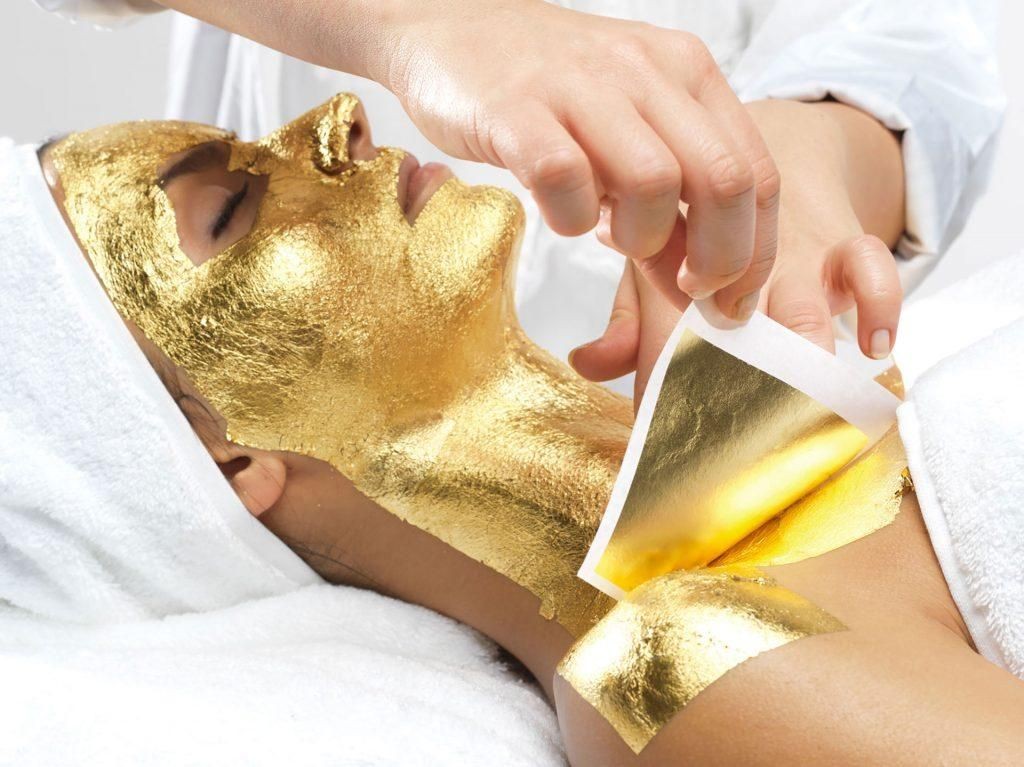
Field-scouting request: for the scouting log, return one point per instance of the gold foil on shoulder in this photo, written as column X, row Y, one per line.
column 741, row 469
column 728, row 448
column 668, row 640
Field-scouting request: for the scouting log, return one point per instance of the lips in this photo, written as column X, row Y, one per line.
column 417, row 184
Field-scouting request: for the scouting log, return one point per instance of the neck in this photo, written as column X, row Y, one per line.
column 485, row 518
column 516, row 475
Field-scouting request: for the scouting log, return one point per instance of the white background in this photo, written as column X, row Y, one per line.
column 55, row 78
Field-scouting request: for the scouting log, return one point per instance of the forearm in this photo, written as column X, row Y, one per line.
column 834, row 139
column 354, row 36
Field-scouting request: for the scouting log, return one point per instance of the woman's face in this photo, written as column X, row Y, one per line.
column 301, row 278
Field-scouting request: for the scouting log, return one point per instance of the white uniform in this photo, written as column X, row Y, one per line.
column 924, row 67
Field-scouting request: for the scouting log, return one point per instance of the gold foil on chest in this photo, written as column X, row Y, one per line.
column 739, row 469
column 864, row 497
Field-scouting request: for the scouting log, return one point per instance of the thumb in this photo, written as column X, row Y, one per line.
column 614, row 353
column 797, row 300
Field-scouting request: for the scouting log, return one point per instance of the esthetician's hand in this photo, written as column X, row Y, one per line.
column 586, row 111
column 594, row 113
column 842, row 201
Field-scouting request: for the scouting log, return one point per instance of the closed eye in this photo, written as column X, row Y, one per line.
column 214, row 207
column 228, row 211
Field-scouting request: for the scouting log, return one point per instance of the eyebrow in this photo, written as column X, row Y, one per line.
column 197, row 159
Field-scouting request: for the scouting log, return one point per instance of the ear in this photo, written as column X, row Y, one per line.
column 258, row 477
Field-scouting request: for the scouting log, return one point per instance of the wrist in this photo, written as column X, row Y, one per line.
column 356, row 36
column 873, row 170
column 827, row 148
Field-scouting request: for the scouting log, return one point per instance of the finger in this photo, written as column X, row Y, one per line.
column 638, row 173
column 739, row 299
column 661, row 269
column 797, row 300
column 865, row 268
column 658, row 318
column 546, row 159
column 713, row 91
column 718, row 185
column 614, row 353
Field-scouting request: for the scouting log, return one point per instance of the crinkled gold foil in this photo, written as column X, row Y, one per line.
column 729, row 447
column 863, row 498
column 338, row 330
column 668, row 640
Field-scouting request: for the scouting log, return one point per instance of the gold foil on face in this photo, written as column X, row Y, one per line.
column 728, row 448
column 863, row 498
column 337, row 330
column 674, row 636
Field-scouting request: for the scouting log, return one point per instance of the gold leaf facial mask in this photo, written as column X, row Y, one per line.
column 338, row 330
column 671, row 638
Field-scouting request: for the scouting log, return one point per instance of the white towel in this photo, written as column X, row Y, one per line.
column 963, row 425
column 145, row 616
column 320, row 676
column 110, row 507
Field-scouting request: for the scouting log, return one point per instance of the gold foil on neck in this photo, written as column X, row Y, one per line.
column 337, row 330
column 728, row 448
column 670, row 639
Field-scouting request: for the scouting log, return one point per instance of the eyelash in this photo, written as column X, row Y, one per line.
column 228, row 212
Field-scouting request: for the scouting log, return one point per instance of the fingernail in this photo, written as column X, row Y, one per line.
column 745, row 306
column 880, row 344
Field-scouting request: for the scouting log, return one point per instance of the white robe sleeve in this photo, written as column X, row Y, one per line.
column 104, row 13
column 926, row 68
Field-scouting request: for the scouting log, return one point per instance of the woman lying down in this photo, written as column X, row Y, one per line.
column 354, row 368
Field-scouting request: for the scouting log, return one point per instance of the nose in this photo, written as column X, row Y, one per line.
column 340, row 134
column 332, row 135
column 360, row 142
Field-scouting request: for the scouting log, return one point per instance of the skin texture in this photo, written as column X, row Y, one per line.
column 828, row 699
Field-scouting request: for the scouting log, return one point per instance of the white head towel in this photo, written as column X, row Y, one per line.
column 110, row 507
